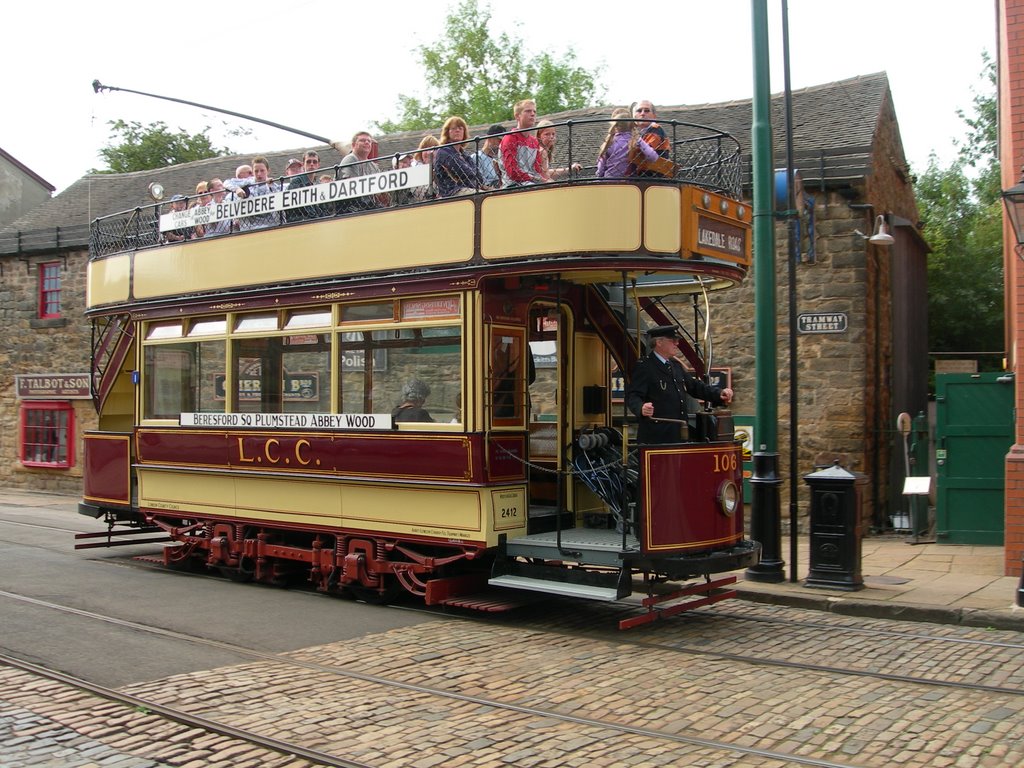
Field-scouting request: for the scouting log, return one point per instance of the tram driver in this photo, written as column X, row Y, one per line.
column 658, row 388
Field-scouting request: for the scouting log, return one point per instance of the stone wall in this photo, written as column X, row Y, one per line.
column 33, row 345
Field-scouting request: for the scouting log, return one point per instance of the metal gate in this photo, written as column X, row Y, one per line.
column 973, row 432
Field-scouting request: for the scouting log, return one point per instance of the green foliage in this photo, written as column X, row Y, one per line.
column 477, row 76
column 135, row 147
column 962, row 218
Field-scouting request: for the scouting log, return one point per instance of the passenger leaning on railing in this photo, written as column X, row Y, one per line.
column 621, row 141
column 455, row 173
column 520, row 152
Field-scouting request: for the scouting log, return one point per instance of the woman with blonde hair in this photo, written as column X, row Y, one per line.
column 547, row 137
column 613, row 157
column 454, row 172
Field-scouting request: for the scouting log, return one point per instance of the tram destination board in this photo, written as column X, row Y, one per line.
column 822, row 322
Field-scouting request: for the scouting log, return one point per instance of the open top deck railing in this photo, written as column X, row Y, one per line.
column 696, row 155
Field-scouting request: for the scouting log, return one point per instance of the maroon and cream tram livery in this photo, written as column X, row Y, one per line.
column 405, row 393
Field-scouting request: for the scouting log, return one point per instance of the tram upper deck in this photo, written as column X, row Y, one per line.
column 688, row 229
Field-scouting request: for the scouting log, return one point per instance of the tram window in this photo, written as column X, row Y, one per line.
column 358, row 313
column 377, row 365
column 288, row 374
column 505, row 379
column 164, row 331
column 260, row 322
column 210, row 326
column 316, row 318
column 185, row 377
column 544, row 387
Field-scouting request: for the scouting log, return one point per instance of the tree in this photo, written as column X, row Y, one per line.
column 963, row 226
column 137, row 148
column 478, row 77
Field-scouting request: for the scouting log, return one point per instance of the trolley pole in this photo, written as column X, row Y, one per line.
column 765, row 521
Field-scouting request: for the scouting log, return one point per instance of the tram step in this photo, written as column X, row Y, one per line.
column 568, row 589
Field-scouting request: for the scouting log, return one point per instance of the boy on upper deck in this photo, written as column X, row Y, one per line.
column 521, row 162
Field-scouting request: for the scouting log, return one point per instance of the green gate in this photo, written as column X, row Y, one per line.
column 973, row 432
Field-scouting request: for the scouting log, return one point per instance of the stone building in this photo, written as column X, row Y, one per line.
column 21, row 189
column 862, row 351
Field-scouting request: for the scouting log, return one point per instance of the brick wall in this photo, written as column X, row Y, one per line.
column 1011, row 154
column 41, row 346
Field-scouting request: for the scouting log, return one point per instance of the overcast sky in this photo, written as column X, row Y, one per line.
column 332, row 67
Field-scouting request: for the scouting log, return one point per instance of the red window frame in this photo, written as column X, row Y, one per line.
column 46, row 434
column 49, row 290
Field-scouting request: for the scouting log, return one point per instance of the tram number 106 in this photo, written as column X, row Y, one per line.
column 725, row 462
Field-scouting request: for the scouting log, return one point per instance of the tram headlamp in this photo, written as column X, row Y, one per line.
column 728, row 498
column 156, row 191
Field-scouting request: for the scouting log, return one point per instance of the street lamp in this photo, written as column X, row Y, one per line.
column 1013, row 199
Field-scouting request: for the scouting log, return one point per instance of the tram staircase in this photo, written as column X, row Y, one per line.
column 586, row 563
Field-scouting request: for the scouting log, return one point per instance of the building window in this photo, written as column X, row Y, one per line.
column 47, row 434
column 49, row 290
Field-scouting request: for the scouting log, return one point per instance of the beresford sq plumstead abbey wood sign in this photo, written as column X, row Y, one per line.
column 822, row 322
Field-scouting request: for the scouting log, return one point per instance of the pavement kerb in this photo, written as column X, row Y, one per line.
column 877, row 609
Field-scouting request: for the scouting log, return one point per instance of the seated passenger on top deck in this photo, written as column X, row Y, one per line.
column 521, row 162
column 621, row 141
column 487, row 161
column 358, row 163
column 424, row 155
column 654, row 135
column 222, row 227
column 178, row 203
column 261, row 184
column 414, row 394
column 454, row 171
column 547, row 137
column 311, row 164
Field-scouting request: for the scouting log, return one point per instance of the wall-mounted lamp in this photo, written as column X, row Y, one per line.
column 156, row 191
column 881, row 234
column 1013, row 199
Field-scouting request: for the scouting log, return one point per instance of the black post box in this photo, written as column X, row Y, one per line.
column 835, row 529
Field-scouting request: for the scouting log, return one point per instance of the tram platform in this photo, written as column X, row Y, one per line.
column 939, row 583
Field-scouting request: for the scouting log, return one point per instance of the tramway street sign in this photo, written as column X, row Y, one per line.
column 822, row 322
column 300, row 197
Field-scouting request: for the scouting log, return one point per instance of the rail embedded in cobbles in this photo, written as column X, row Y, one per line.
column 699, row 156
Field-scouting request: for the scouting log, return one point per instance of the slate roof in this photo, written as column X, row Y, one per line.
column 833, row 120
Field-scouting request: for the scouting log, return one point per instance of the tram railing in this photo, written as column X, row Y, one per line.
column 696, row 154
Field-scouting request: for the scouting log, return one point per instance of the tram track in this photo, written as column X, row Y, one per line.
column 598, row 724
column 182, row 717
column 836, row 647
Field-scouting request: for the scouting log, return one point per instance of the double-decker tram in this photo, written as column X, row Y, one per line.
column 415, row 395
